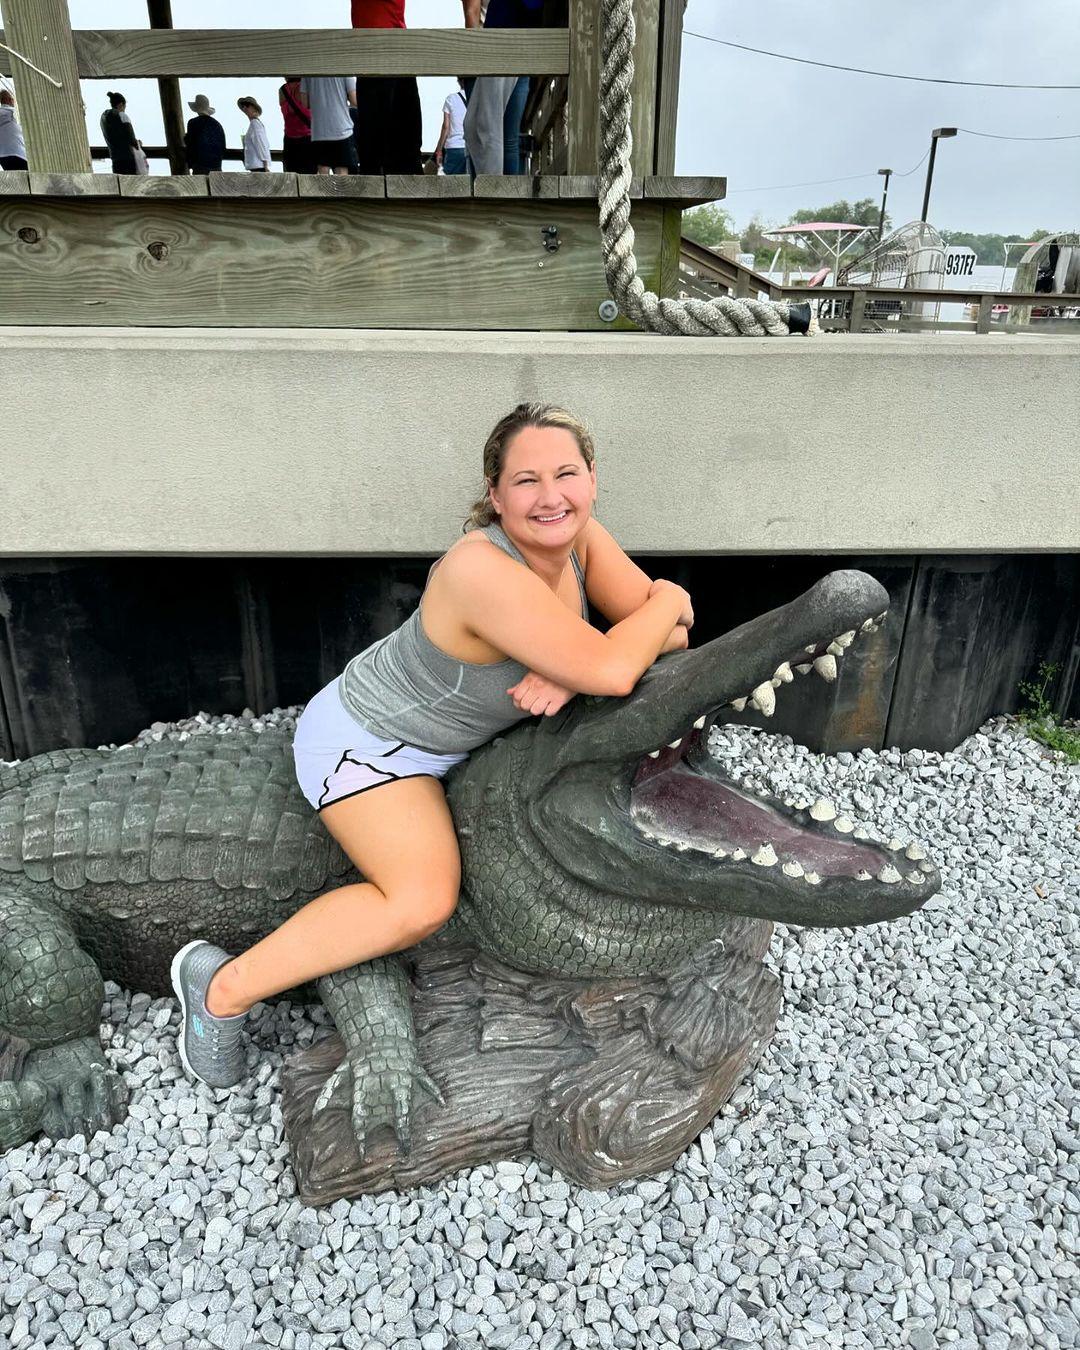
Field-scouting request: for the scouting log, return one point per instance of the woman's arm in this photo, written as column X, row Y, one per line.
column 509, row 607
column 442, row 137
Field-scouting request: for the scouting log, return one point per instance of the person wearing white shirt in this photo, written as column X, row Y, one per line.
column 256, row 141
column 450, row 151
column 12, row 145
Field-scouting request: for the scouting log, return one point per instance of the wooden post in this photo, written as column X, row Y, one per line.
column 646, row 74
column 53, row 120
column 172, row 108
column 857, row 311
column 667, row 94
column 986, row 314
column 583, row 90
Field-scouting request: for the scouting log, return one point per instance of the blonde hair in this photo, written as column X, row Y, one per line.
column 525, row 415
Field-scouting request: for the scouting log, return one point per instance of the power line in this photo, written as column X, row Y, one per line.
column 882, row 74
column 991, row 136
column 821, row 182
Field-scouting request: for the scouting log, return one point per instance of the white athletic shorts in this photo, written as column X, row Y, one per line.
column 337, row 758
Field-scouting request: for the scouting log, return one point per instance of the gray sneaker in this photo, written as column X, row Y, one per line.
column 210, row 1047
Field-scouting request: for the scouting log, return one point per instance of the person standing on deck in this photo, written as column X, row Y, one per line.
column 12, row 145
column 389, row 125
column 329, row 98
column 497, row 102
column 450, row 151
column 204, row 139
column 119, row 135
column 295, row 113
column 256, row 142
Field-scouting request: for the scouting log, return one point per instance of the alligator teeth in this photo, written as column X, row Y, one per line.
column 764, row 699
column 738, row 704
column 915, row 878
column 738, row 855
column 654, row 754
column 914, row 851
column 866, row 625
column 864, row 875
column 925, row 866
column 699, row 723
column 880, row 618
column 860, row 832
column 792, row 869
column 812, row 648
column 826, row 668
column 895, row 844
column 764, row 857
column 789, row 802
column 888, row 874
column 674, row 745
column 812, row 879
column 719, row 852
column 823, row 810
column 783, row 673
column 834, row 649
column 844, row 825
column 845, row 639
column 775, row 682
column 804, row 668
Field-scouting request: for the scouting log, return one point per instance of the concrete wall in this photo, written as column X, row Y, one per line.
column 153, row 441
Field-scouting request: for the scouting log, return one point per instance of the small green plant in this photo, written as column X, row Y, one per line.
column 1039, row 718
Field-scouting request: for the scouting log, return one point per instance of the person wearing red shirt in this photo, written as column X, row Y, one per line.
column 388, row 123
column 295, row 113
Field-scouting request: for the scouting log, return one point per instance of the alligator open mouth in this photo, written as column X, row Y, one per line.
column 680, row 799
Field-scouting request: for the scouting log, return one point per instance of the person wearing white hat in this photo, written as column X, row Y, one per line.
column 204, row 139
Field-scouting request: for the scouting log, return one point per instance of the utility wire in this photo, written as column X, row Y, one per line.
column 991, row 136
column 820, row 182
column 883, row 74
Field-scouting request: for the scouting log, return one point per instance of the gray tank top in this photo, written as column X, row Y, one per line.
column 404, row 688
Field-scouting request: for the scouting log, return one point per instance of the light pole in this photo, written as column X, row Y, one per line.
column 934, row 137
column 887, row 173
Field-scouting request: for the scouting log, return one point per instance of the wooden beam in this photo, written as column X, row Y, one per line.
column 172, row 108
column 308, row 262
column 427, row 186
column 646, row 75
column 341, row 185
column 583, row 88
column 260, row 185
column 163, row 185
column 135, row 53
column 689, row 190
column 74, row 184
column 667, row 94
column 53, row 119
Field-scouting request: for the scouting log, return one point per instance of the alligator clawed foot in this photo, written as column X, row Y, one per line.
column 377, row 1093
column 22, row 1108
column 81, row 1093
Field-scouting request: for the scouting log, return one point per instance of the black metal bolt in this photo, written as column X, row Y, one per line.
column 158, row 250
column 29, row 235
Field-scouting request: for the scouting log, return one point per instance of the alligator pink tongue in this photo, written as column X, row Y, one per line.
column 671, row 800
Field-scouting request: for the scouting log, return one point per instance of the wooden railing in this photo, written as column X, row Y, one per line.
column 567, row 134
column 848, row 308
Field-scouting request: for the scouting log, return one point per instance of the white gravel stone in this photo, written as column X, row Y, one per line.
column 902, row 1167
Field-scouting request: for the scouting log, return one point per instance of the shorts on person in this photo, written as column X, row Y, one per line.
column 335, row 154
column 337, row 758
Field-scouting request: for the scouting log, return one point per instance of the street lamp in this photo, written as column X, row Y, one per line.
column 934, row 135
column 881, row 220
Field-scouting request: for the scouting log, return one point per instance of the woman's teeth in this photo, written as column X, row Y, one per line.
column 551, row 520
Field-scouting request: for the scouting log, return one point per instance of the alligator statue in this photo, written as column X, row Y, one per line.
column 594, row 998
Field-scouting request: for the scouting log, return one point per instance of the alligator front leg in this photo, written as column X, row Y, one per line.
column 50, row 999
column 381, row 1069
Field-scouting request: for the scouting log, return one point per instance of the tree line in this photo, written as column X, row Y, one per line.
column 711, row 225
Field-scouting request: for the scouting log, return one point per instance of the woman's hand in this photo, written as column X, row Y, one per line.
column 539, row 696
column 678, row 640
column 686, row 618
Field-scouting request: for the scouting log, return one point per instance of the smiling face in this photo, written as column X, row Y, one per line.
column 545, row 492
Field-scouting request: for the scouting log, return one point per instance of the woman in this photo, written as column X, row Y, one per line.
column 255, row 140
column 501, row 633
column 120, row 135
column 296, row 115
column 450, row 151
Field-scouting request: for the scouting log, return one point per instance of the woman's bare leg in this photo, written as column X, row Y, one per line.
column 412, row 891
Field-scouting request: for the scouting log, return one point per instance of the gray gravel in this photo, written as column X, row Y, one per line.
column 900, row 1169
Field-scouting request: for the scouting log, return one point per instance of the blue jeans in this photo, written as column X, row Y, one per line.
column 454, row 159
column 515, row 108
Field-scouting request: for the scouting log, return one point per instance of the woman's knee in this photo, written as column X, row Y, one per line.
column 426, row 911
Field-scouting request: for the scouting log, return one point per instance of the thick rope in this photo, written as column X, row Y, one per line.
column 723, row 316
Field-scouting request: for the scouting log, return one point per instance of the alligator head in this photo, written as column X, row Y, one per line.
column 623, row 795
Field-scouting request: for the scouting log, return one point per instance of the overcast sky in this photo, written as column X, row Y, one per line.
column 763, row 122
